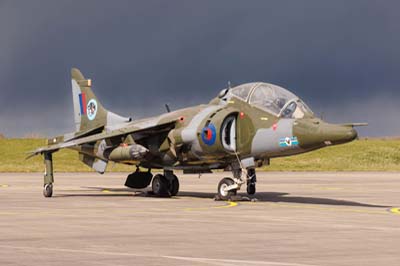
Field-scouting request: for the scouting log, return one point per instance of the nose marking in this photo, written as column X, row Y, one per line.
column 288, row 142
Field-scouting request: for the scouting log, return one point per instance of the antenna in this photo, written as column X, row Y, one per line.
column 167, row 107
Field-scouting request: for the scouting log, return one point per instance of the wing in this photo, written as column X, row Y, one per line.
column 138, row 130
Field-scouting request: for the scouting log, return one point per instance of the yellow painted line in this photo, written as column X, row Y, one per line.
column 395, row 210
column 264, row 118
column 229, row 204
column 105, row 191
column 231, row 102
column 4, row 185
column 8, row 213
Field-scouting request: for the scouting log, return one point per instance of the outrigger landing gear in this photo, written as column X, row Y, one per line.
column 48, row 175
column 165, row 185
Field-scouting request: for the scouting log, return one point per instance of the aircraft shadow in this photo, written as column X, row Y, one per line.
column 61, row 195
column 104, row 192
column 285, row 198
column 260, row 197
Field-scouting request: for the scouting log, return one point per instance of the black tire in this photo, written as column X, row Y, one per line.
column 225, row 182
column 48, row 190
column 174, row 186
column 160, row 185
column 251, row 189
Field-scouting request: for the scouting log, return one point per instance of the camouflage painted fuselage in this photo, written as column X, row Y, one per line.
column 254, row 122
column 240, row 130
column 199, row 137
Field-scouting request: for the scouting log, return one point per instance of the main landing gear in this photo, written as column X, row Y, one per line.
column 164, row 185
column 228, row 187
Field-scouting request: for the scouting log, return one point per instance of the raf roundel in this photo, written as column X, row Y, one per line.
column 209, row 134
column 91, row 109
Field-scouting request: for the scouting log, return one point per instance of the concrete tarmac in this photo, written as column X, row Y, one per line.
column 300, row 219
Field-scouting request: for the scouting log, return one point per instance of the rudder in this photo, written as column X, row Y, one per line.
column 89, row 113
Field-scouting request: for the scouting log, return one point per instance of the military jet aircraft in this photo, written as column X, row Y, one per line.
column 239, row 130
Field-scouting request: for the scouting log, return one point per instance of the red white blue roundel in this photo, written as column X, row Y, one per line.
column 209, row 134
column 91, row 109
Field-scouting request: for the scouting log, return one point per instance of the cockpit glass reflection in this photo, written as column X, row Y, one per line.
column 278, row 101
column 242, row 91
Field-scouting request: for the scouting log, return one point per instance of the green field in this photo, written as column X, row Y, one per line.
column 360, row 155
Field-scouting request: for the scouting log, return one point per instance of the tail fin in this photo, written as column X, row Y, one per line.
column 89, row 113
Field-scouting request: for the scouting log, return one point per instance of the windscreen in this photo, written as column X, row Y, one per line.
column 243, row 91
column 278, row 101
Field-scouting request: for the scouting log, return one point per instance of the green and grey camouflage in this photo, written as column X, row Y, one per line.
column 240, row 129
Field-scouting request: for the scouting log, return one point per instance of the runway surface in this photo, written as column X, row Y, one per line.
column 300, row 219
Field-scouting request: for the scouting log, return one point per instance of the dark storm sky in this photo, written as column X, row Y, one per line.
column 341, row 57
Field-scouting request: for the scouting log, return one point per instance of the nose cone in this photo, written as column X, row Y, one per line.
column 338, row 134
column 313, row 133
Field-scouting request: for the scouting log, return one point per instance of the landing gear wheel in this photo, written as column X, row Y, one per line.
column 251, row 188
column 48, row 190
column 223, row 184
column 160, row 185
column 174, row 186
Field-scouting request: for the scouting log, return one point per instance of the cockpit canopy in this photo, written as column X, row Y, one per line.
column 273, row 99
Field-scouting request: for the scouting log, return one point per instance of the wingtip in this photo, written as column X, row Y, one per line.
column 31, row 154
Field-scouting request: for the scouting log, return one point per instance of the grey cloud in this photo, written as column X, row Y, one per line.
column 335, row 55
column 380, row 112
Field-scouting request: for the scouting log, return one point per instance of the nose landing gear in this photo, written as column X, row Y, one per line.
column 251, row 181
column 251, row 189
column 228, row 187
column 224, row 191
